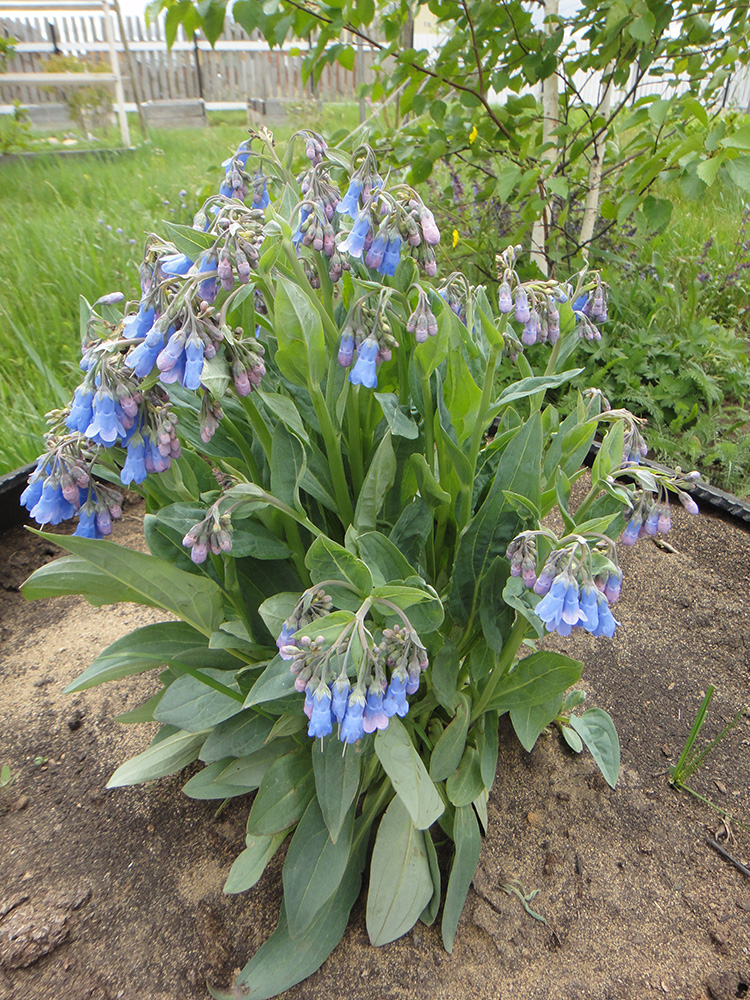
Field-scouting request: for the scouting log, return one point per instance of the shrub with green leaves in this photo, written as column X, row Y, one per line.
column 360, row 573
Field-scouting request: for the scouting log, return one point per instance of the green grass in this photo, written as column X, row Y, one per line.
column 59, row 240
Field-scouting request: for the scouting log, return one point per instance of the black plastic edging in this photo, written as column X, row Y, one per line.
column 725, row 503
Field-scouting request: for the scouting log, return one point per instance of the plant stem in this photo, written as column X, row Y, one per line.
column 354, row 440
column 292, row 535
column 503, row 665
column 244, row 447
column 429, row 433
column 258, row 425
column 332, row 441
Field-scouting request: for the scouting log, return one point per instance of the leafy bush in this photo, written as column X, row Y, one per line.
column 89, row 107
column 350, row 557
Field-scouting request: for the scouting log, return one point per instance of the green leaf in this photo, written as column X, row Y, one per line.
column 191, row 242
column 73, row 575
column 530, row 722
column 409, row 777
column 380, row 476
column 237, row 737
column 191, row 704
column 410, row 532
column 301, row 353
column 194, row 599
column 314, row 867
column 536, row 679
column 535, row 383
column 383, row 558
column 275, row 682
column 162, row 758
column 495, row 615
column 284, row 961
column 572, row 738
column 489, row 749
column 336, row 781
column 144, row 649
column 276, row 609
column 517, row 595
column 466, row 783
column 251, row 863
column 398, row 418
column 287, row 466
column 327, row 560
column 400, row 879
column 248, row 772
column 449, row 748
column 609, row 456
column 468, row 843
column 444, row 669
column 490, row 530
column 430, row 912
column 203, row 785
column 423, row 608
column 598, row 732
column 286, row 788
column 429, row 488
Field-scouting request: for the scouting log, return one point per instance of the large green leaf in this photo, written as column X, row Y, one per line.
column 276, row 681
column 466, row 782
column 598, row 732
column 465, row 860
column 400, row 879
column 191, row 242
column 241, row 735
column 535, row 680
column 449, row 748
column 384, row 560
column 488, row 533
column 191, row 704
column 535, row 383
column 380, row 476
column 336, row 780
column 423, row 608
column 144, row 649
column 286, row 788
column 165, row 757
column 194, row 599
column 249, row 771
column 73, row 575
column 314, row 867
column 529, row 722
column 409, row 776
column 301, row 353
column 283, row 961
column 287, row 466
column 204, row 785
column 251, row 863
column 327, row 560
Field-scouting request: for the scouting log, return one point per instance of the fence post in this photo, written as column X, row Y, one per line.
column 119, row 92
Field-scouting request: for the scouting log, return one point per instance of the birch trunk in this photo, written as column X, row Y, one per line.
column 595, row 172
column 550, row 121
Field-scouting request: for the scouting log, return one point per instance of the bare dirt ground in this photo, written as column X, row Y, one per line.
column 118, row 894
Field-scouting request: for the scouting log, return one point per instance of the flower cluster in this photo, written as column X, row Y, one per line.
column 577, row 585
column 650, row 515
column 532, row 304
column 386, row 673
column 368, row 334
column 590, row 309
column 61, row 487
column 422, row 322
column 212, row 534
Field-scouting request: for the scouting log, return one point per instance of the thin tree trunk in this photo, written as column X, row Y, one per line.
column 591, row 211
column 550, row 121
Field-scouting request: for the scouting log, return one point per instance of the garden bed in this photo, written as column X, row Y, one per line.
column 123, row 889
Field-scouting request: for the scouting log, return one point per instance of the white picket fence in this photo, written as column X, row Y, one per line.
column 238, row 68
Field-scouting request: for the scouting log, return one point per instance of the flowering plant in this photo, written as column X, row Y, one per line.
column 349, row 531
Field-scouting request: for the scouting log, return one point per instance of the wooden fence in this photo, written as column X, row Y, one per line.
column 238, row 68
